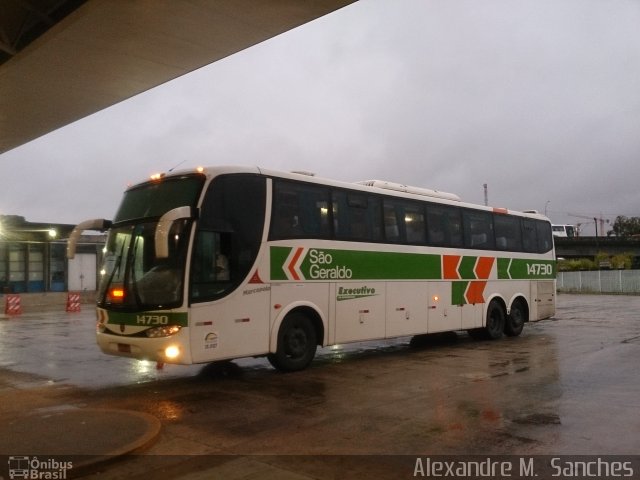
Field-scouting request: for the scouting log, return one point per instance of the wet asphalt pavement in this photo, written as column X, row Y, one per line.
column 61, row 347
column 568, row 385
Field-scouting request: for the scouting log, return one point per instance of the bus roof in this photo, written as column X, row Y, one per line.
column 376, row 186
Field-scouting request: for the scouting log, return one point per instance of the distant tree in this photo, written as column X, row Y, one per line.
column 622, row 261
column 576, row 264
column 625, row 226
column 602, row 260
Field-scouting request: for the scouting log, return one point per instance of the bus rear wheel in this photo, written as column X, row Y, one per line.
column 516, row 319
column 297, row 344
column 496, row 318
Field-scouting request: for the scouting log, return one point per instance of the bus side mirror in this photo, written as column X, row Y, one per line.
column 99, row 224
column 163, row 228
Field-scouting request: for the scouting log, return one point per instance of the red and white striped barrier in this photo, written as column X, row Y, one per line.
column 12, row 305
column 73, row 302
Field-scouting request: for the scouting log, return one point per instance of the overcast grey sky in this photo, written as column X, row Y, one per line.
column 540, row 99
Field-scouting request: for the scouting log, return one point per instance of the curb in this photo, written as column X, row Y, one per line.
column 88, row 436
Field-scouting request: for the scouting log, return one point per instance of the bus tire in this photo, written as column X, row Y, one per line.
column 496, row 319
column 297, row 344
column 516, row 319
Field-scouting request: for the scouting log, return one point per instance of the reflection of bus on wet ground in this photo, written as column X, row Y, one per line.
column 563, row 231
column 230, row 262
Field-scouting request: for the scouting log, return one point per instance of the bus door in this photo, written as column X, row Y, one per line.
column 230, row 328
column 443, row 314
column 227, row 316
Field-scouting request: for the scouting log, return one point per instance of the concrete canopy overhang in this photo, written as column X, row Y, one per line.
column 106, row 51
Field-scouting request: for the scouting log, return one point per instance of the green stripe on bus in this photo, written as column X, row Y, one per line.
column 299, row 264
column 526, row 269
column 503, row 267
column 148, row 319
column 332, row 264
column 457, row 293
column 466, row 268
column 278, row 257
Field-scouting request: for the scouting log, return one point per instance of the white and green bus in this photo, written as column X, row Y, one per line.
column 227, row 262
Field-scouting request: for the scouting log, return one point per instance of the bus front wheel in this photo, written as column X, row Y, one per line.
column 296, row 344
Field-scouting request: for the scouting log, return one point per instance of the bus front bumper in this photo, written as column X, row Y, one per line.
column 172, row 349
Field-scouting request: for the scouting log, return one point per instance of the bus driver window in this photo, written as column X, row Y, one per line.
column 222, row 267
column 211, row 269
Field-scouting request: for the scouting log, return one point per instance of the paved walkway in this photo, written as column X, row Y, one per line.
column 87, row 436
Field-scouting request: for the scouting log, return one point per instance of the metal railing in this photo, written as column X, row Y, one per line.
column 600, row 281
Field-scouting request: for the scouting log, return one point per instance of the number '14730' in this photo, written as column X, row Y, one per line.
column 539, row 269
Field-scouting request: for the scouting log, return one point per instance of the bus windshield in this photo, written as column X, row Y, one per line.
column 133, row 278
column 155, row 198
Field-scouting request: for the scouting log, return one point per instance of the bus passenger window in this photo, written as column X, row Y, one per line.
column 529, row 235
column 508, row 232
column 286, row 222
column 351, row 216
column 414, row 224
column 545, row 239
column 391, row 227
column 444, row 226
column 299, row 210
column 478, row 229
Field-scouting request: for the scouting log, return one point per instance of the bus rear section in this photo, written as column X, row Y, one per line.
column 384, row 293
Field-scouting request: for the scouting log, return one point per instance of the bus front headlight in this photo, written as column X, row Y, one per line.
column 172, row 352
column 163, row 331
